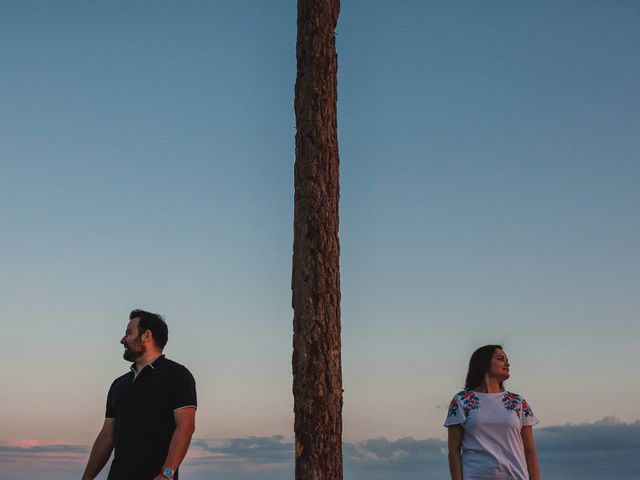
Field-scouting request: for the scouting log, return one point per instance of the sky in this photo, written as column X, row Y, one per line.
column 490, row 157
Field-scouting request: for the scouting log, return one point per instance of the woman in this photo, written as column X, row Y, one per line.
column 489, row 428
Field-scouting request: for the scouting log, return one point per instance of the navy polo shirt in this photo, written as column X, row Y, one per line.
column 143, row 409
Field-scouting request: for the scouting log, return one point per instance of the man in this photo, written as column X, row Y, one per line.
column 151, row 410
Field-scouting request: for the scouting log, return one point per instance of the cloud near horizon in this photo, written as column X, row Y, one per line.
column 606, row 448
column 11, row 451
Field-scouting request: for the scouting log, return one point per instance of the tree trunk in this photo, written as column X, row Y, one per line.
column 317, row 371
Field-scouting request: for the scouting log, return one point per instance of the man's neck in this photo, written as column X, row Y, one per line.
column 146, row 359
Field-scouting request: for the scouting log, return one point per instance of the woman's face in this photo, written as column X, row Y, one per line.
column 499, row 368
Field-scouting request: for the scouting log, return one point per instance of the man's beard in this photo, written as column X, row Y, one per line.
column 132, row 355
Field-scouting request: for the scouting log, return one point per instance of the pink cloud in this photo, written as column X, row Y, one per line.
column 38, row 454
column 25, row 443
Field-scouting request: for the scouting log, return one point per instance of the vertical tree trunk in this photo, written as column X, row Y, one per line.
column 317, row 371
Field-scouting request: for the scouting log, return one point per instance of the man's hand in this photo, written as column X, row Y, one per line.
column 101, row 450
column 185, row 419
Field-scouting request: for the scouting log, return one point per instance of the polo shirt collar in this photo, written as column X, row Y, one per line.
column 157, row 362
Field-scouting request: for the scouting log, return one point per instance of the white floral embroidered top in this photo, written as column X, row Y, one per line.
column 492, row 446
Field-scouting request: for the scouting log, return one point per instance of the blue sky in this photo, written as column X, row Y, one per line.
column 489, row 172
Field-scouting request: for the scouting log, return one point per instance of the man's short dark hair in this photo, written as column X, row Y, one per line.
column 153, row 322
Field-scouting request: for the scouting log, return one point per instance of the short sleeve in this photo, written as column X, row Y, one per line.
column 110, row 411
column 183, row 389
column 527, row 418
column 455, row 413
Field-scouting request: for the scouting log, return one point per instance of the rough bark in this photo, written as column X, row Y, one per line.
column 317, row 371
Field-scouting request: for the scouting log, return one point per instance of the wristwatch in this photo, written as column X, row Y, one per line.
column 168, row 473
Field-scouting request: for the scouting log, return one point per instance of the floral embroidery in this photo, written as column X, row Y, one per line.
column 511, row 402
column 470, row 401
column 526, row 409
column 453, row 408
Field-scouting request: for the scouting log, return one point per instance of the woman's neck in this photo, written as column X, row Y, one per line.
column 490, row 385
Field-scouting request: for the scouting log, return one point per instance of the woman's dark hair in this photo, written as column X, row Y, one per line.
column 153, row 322
column 479, row 364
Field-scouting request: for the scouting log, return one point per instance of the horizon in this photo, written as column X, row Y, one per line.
column 561, row 448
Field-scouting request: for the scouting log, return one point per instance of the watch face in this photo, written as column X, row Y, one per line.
column 168, row 473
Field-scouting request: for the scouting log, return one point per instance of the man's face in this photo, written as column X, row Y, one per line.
column 134, row 348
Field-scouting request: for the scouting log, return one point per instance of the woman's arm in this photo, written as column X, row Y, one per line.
column 454, row 442
column 530, row 453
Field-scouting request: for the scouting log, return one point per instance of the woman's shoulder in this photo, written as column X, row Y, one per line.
column 509, row 393
column 461, row 393
column 465, row 394
column 506, row 395
column 514, row 396
column 514, row 401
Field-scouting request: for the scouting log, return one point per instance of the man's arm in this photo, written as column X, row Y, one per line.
column 530, row 453
column 101, row 450
column 185, row 426
column 454, row 442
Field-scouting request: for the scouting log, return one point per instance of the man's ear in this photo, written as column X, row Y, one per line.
column 147, row 336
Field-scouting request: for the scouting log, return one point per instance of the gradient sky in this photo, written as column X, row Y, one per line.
column 490, row 162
